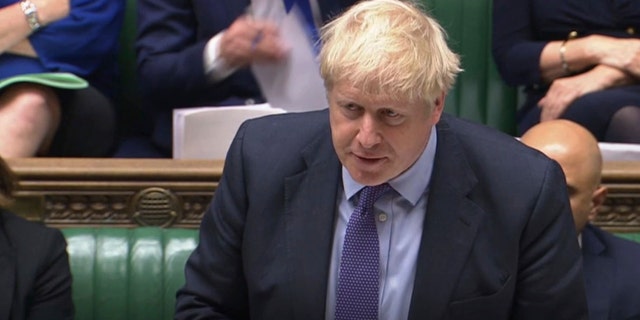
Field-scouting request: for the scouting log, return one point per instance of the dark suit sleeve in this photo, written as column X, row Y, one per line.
column 550, row 281
column 516, row 53
column 52, row 298
column 215, row 285
column 170, row 53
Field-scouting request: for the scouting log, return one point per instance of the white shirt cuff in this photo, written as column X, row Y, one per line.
column 215, row 67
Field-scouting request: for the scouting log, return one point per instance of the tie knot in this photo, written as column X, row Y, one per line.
column 369, row 195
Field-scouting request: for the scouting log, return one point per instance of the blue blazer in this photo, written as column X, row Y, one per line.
column 612, row 275
column 498, row 239
column 34, row 271
column 84, row 43
column 172, row 35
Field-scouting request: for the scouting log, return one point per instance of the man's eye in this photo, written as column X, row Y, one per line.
column 351, row 106
column 391, row 113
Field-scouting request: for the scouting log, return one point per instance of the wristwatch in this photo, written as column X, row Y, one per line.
column 31, row 13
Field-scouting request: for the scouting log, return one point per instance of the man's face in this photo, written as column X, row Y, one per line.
column 584, row 194
column 376, row 138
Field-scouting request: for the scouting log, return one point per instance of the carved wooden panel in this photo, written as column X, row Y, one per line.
column 621, row 212
column 115, row 192
column 175, row 193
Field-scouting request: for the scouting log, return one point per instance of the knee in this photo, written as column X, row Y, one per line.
column 628, row 116
column 28, row 97
column 30, row 103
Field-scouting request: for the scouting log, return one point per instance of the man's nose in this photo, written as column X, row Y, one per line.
column 369, row 135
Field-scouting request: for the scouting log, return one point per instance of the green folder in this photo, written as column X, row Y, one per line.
column 61, row 80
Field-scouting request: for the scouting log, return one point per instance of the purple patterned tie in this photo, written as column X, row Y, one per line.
column 358, row 281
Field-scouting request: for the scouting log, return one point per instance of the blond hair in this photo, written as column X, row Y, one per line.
column 388, row 47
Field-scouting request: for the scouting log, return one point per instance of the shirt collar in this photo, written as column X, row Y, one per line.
column 412, row 183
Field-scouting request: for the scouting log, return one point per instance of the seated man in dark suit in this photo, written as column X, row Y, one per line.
column 611, row 264
column 199, row 53
column 35, row 278
column 383, row 207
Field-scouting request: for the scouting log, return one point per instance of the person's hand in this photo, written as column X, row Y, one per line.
column 248, row 40
column 51, row 10
column 623, row 54
column 564, row 91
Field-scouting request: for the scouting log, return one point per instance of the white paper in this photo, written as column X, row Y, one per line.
column 293, row 84
column 619, row 151
column 207, row 132
column 612, row 152
column 268, row 10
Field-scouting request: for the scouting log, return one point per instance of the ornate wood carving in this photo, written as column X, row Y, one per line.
column 175, row 193
column 621, row 212
column 115, row 192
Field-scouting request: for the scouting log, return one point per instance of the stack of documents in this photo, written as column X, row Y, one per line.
column 207, row 132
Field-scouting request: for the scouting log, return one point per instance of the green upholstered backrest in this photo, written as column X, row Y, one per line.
column 479, row 94
column 132, row 274
column 634, row 236
column 130, row 114
column 127, row 57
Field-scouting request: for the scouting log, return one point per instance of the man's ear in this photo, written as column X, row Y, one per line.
column 597, row 200
column 438, row 107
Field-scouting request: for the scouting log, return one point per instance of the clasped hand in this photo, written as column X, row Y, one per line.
column 249, row 40
column 618, row 64
column 623, row 54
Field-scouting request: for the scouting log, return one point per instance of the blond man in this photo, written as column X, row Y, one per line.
column 382, row 207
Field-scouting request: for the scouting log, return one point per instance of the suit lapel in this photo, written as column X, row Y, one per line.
column 597, row 269
column 7, row 275
column 450, row 226
column 310, row 213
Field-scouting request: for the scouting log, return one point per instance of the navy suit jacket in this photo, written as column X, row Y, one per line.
column 35, row 278
column 498, row 239
column 612, row 275
column 172, row 35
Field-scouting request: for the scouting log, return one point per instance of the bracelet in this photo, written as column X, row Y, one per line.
column 31, row 13
column 563, row 60
column 563, row 50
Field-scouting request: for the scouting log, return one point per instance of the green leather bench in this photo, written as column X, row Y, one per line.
column 634, row 236
column 132, row 274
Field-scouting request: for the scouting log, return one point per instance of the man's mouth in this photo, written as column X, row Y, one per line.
column 368, row 159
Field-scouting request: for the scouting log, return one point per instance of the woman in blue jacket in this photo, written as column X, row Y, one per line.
column 77, row 37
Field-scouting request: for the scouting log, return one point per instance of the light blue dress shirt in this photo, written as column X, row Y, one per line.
column 399, row 219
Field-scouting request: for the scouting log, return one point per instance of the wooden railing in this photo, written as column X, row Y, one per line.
column 115, row 192
column 621, row 212
column 175, row 193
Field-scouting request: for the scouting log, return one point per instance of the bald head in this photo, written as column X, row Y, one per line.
column 567, row 143
column 578, row 153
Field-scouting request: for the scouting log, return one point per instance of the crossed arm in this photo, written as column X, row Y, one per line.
column 15, row 30
column 599, row 62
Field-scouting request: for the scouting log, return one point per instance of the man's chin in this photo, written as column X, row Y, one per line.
column 368, row 177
